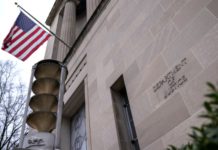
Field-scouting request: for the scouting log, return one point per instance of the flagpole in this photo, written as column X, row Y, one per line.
column 42, row 25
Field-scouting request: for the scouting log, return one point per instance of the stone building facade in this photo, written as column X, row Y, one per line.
column 137, row 70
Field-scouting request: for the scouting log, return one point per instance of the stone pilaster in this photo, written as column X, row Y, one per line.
column 91, row 6
column 67, row 28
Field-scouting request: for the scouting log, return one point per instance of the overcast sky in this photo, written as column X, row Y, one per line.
column 8, row 14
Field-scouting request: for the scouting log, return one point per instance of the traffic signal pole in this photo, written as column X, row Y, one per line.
column 26, row 107
column 60, row 107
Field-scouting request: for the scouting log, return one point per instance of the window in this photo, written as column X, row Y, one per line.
column 78, row 130
column 74, row 130
column 123, row 117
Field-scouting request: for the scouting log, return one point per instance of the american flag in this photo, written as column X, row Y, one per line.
column 24, row 38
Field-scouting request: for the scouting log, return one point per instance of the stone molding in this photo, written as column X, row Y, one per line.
column 55, row 8
column 53, row 12
column 75, row 1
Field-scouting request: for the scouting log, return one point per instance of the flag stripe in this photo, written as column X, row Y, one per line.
column 24, row 38
column 8, row 38
column 16, row 42
column 14, row 32
column 29, row 43
column 11, row 32
column 17, row 35
column 35, row 48
column 20, row 41
column 11, row 39
column 26, row 41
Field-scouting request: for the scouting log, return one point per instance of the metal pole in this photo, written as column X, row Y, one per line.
column 42, row 25
column 60, row 108
column 26, row 108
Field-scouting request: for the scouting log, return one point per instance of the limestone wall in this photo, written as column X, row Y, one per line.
column 166, row 50
column 173, row 43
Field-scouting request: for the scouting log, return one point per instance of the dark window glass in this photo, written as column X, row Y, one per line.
column 123, row 117
column 78, row 130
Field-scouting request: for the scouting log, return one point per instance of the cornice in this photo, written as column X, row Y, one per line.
column 53, row 12
column 55, row 8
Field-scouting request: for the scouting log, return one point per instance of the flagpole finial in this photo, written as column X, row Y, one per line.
column 15, row 3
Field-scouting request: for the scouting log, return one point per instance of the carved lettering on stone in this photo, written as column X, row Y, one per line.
column 172, row 80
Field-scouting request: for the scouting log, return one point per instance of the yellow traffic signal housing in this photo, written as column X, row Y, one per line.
column 46, row 89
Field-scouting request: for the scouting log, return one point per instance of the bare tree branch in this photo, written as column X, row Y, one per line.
column 11, row 105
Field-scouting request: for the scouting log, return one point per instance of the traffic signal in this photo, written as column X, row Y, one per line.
column 46, row 103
